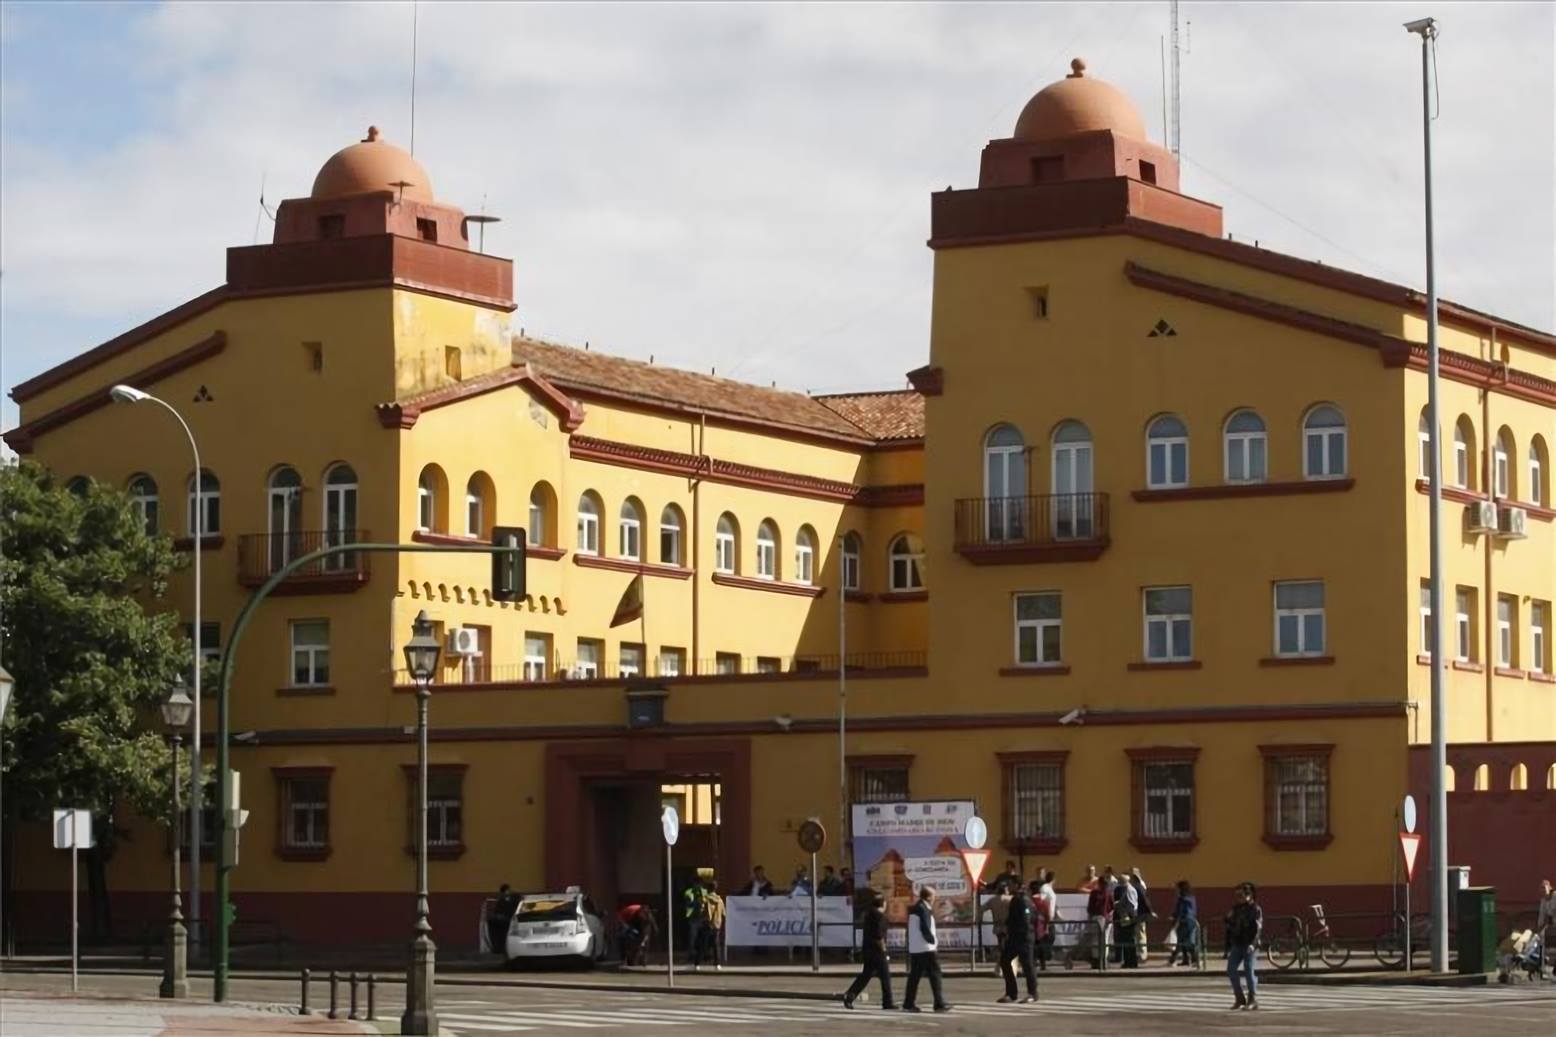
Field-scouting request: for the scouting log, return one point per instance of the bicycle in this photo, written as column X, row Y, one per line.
column 1389, row 947
column 1285, row 951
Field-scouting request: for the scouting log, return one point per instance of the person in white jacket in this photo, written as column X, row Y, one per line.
column 922, row 960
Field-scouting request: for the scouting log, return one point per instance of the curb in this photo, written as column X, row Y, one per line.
column 1378, row 979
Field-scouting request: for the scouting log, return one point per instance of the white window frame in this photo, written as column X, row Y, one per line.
column 1239, row 445
column 766, row 552
column 210, row 501
column 312, row 652
column 1507, row 619
column 536, row 533
column 475, row 512
column 1168, row 445
column 588, row 527
column 630, row 533
column 911, row 578
column 146, row 504
column 1539, row 616
column 1461, row 458
column 1425, row 612
column 439, row 808
column 426, row 504
column 587, row 663
column 1424, row 448
column 537, row 658
column 1170, row 621
column 724, row 557
column 1463, row 606
column 1501, row 471
column 1311, row 797
column 1167, row 796
column 851, row 562
column 1325, row 435
column 1039, row 627
column 804, row 559
column 1304, row 617
column 671, row 534
column 314, row 811
column 626, row 667
column 1535, row 495
column 671, row 661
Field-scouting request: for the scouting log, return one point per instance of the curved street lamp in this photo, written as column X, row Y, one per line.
column 421, row 1014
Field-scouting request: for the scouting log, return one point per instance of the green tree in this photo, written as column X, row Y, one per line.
column 92, row 655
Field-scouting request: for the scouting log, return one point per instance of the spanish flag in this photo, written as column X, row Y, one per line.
column 631, row 605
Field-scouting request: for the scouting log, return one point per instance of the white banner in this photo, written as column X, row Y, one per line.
column 785, row 921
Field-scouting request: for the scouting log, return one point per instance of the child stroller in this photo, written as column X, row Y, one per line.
column 1521, row 952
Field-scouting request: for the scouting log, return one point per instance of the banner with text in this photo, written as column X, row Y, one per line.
column 785, row 921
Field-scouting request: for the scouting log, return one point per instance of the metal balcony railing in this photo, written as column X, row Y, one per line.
column 1058, row 520
column 261, row 555
column 453, row 670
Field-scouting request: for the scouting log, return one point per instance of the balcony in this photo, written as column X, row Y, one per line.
column 262, row 555
column 477, row 673
column 1060, row 527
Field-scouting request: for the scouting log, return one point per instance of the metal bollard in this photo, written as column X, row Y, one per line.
column 302, row 1007
column 372, row 988
column 334, row 1012
column 353, row 1014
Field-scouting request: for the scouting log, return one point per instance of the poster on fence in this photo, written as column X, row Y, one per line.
column 900, row 847
column 785, row 921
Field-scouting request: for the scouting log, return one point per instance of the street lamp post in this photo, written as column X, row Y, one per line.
column 176, row 712
column 7, row 684
column 421, row 1014
column 130, row 394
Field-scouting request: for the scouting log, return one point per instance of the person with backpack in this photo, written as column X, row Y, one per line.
column 1243, row 925
column 1020, row 940
column 1126, row 915
column 876, row 963
column 923, row 962
column 1185, row 920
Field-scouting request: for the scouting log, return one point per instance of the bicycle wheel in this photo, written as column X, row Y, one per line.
column 1283, row 951
column 1389, row 949
column 1334, row 953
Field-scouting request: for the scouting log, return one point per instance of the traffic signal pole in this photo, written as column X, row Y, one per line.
column 509, row 589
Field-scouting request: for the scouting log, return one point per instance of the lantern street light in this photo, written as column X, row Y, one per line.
column 176, row 713
column 421, row 1015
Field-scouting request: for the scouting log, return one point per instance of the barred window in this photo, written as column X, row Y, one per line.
column 305, row 813
column 1034, row 794
column 1164, row 799
column 878, row 784
column 1299, row 801
column 445, row 808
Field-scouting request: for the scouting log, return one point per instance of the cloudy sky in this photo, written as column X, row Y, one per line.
column 737, row 186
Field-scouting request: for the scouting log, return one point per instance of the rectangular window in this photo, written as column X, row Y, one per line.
column 476, row 668
column 726, row 663
column 1169, row 463
column 1507, row 623
column 1038, row 629
column 588, row 532
column 451, row 365
column 631, row 664
column 537, row 657
column 768, row 664
column 445, row 807
column 1245, row 456
column 1039, row 297
column 1169, row 622
column 1464, row 623
column 878, row 782
column 1539, row 660
column 305, row 811
column 210, row 644
column 631, row 537
column 1164, row 799
column 427, row 230
column 1461, row 462
column 850, row 568
column 587, row 666
column 1034, row 799
column 1426, row 617
column 1148, row 171
column 1499, row 471
column 1299, row 618
column 1296, row 792
column 724, row 552
column 672, row 662
column 310, row 652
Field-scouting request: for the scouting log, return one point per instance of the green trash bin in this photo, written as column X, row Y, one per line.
column 1477, row 939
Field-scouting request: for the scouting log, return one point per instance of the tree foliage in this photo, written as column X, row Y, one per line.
column 91, row 649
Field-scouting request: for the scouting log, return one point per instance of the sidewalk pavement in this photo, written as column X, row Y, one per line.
column 49, row 1014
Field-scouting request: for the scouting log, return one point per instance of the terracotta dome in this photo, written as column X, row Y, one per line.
column 1078, row 104
column 372, row 164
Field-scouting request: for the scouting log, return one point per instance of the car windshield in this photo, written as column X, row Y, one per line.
column 547, row 910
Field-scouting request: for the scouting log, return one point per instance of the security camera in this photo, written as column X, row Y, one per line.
column 784, row 721
column 1074, row 716
column 1424, row 26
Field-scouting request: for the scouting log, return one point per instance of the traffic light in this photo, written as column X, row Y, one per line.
column 508, row 566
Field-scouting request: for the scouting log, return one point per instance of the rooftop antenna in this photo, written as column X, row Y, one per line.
column 481, row 220
column 415, row 11
column 399, row 189
column 264, row 210
column 1176, row 139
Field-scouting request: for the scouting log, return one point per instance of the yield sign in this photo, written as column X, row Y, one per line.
column 975, row 861
column 1410, row 843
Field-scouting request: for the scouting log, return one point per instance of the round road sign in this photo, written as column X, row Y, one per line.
column 672, row 825
column 812, row 836
column 1408, row 813
column 976, row 833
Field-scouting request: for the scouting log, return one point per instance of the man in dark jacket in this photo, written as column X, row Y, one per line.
column 1243, row 924
column 1020, row 936
column 873, row 946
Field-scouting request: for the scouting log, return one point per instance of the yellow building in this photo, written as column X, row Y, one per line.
column 1136, row 564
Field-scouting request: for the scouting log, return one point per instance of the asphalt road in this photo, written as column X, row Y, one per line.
column 1070, row 1006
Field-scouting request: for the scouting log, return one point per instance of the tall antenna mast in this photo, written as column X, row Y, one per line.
column 416, row 9
column 1177, row 126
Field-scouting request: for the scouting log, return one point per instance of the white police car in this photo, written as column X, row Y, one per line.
column 554, row 927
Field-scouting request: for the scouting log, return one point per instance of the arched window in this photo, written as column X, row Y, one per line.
column 432, row 500
column 1005, row 482
column 143, row 498
column 208, row 523
column 629, row 543
column 480, row 505
column 1324, row 447
column 1167, row 453
column 340, row 514
column 767, row 550
column 1464, row 453
column 1074, row 506
column 78, row 485
column 1518, row 780
column 1246, row 448
column 671, row 535
column 542, row 515
column 906, row 562
column 805, row 556
column 285, row 495
column 1539, row 492
column 724, row 544
column 1502, row 454
column 1423, row 447
column 588, row 525
column 851, row 552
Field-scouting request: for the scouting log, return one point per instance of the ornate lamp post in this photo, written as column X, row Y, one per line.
column 176, row 712
column 421, row 1015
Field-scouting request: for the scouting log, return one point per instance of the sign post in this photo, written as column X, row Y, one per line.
column 975, row 833
column 73, row 830
column 812, row 837
column 1409, row 844
column 671, row 822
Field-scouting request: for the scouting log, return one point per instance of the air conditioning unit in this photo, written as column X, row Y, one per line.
column 1514, row 523
column 1481, row 516
column 464, row 641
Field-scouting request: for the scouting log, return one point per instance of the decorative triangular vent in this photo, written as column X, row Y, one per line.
column 203, row 396
column 1162, row 330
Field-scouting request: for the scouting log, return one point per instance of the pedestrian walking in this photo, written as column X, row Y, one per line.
column 999, row 912
column 1143, row 913
column 1185, row 924
column 1020, row 941
column 923, row 963
column 1099, row 913
column 1126, row 917
column 1046, row 902
column 876, row 964
column 1243, row 925
column 694, row 901
column 712, row 924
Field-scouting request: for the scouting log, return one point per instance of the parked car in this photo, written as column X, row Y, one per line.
column 556, row 927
